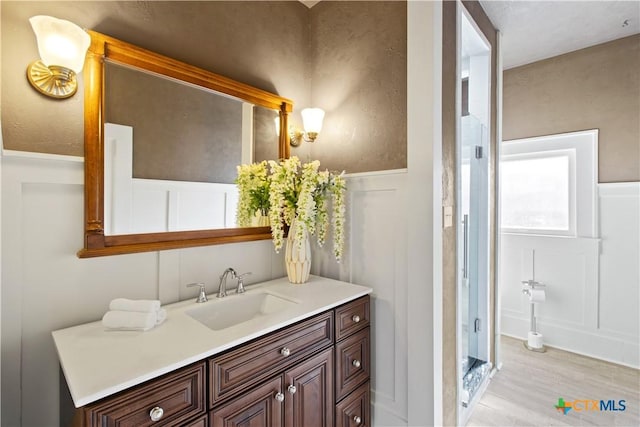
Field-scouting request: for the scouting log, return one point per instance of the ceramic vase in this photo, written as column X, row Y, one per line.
column 260, row 220
column 263, row 221
column 297, row 257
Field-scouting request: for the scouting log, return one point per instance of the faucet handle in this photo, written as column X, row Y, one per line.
column 202, row 296
column 240, row 277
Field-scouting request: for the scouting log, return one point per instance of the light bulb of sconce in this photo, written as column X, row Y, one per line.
column 60, row 42
column 312, row 120
column 276, row 121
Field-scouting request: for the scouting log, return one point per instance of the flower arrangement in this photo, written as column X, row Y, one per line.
column 295, row 191
column 253, row 183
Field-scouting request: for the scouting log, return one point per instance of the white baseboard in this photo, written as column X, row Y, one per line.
column 597, row 346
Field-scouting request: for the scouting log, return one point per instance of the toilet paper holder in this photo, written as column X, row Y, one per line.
column 529, row 285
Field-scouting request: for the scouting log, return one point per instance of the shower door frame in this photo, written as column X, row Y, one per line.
column 484, row 244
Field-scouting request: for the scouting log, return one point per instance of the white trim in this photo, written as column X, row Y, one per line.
column 496, row 231
column 41, row 156
column 376, row 173
column 619, row 188
column 424, row 212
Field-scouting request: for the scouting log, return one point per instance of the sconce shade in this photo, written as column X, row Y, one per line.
column 60, row 43
column 312, row 120
column 62, row 46
column 277, row 123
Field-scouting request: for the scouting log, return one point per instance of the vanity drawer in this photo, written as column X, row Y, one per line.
column 352, row 363
column 355, row 410
column 178, row 397
column 238, row 369
column 352, row 317
column 202, row 421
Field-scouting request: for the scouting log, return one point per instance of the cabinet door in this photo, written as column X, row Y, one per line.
column 260, row 407
column 352, row 363
column 309, row 392
column 355, row 409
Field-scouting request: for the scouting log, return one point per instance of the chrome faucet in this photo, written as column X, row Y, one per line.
column 202, row 296
column 222, row 288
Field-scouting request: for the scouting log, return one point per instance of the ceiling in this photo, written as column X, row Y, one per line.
column 535, row 30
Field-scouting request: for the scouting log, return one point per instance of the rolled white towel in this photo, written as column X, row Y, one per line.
column 141, row 305
column 129, row 320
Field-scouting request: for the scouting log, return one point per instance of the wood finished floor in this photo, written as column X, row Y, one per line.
column 525, row 390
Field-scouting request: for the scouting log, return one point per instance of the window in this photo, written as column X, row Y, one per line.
column 537, row 193
column 548, row 185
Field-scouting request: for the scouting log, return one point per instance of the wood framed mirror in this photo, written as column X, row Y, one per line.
column 110, row 61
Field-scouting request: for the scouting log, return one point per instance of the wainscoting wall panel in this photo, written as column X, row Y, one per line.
column 619, row 291
column 46, row 287
column 592, row 285
column 377, row 257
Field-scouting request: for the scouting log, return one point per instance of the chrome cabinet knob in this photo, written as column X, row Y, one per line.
column 285, row 352
column 292, row 389
column 356, row 363
column 355, row 318
column 279, row 397
column 156, row 413
column 357, row 419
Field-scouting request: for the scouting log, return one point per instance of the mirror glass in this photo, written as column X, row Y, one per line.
column 171, row 151
column 162, row 140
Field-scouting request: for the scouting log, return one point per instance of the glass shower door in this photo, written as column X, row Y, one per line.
column 472, row 213
column 473, row 249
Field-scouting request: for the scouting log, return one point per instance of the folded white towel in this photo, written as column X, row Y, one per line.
column 130, row 320
column 142, row 305
column 161, row 316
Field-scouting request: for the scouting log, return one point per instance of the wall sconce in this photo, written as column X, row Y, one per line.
column 62, row 46
column 312, row 122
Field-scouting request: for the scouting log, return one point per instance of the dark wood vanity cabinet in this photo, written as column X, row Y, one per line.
column 174, row 399
column 353, row 364
column 314, row 373
column 301, row 396
column 237, row 370
column 319, row 368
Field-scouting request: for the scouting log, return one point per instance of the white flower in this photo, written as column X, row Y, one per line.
column 295, row 191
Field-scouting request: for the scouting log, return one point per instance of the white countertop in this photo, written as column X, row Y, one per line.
column 98, row 363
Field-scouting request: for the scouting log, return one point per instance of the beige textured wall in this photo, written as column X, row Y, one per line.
column 346, row 57
column 263, row 44
column 359, row 54
column 596, row 87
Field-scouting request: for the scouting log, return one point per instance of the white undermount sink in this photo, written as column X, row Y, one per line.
column 234, row 309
